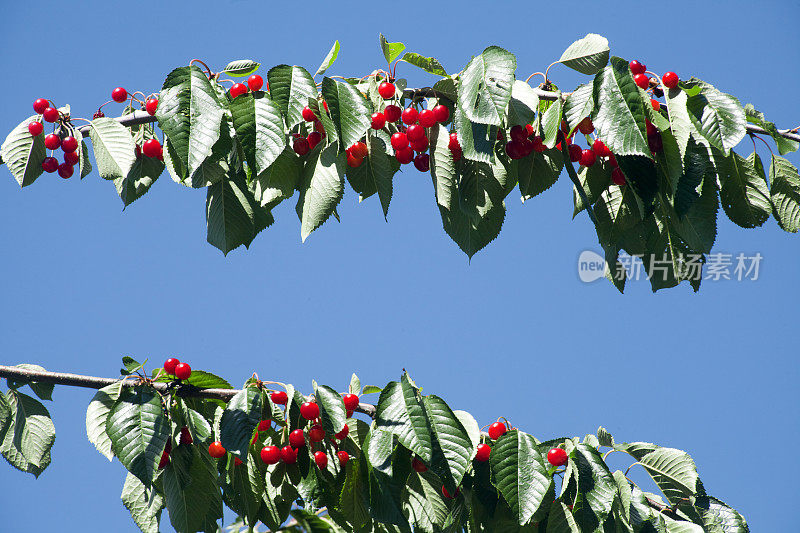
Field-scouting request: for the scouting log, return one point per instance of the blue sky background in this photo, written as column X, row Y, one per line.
column 514, row 333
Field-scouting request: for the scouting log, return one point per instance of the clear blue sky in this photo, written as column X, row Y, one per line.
column 514, row 333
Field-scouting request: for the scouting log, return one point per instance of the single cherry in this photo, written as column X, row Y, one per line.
column 35, row 128
column 321, row 459
column 612, row 160
column 309, row 410
column 392, row 113
column 442, row 113
column 360, row 149
column 50, row 164
column 343, row 433
column 52, row 141
column 255, row 82
column 170, row 364
column 186, row 436
column 414, row 132
column 279, row 397
column 350, row 402
column 50, row 114
column 497, row 430
column 585, row 126
column 418, row 465
column 453, row 144
column 557, row 457
column 419, row 145
column 422, row 162
column 288, row 455
column 183, row 371
column 642, row 80
column 456, row 153
column 308, row 114
column 656, row 104
column 515, row 150
column 216, row 450
column 600, row 149
column 482, row 455
column 427, row 118
column 447, row 494
column 399, row 140
column 670, row 80
column 637, row 68
column 300, row 146
column 151, row 105
column 588, row 157
column 378, row 121
column 386, row 90
column 316, row 433
column 404, row 155
column 65, row 170
column 343, row 457
column 538, row 144
column 353, row 160
column 618, row 177
column 518, row 133
column 313, row 139
column 297, row 438
column 236, row 461
column 119, row 95
column 238, row 89
column 165, row 455
column 264, row 425
column 69, row 143
column 151, row 148
column 39, row 105
column 574, row 153
column 72, row 158
column 270, row 455
column 651, row 129
column 410, row 115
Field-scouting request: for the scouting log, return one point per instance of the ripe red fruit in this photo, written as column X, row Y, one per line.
column 119, row 95
column 69, row 143
column 427, row 118
column 588, row 157
column 350, row 402
column 319, row 127
column 343, row 457
column 151, row 105
column 316, row 433
column 308, row 114
column 255, row 82
column 600, row 149
column 483, row 452
column 288, row 455
column 270, row 455
column 151, row 148
column 300, row 146
column 50, row 164
column 536, row 144
column 216, row 450
column 456, row 153
column 392, row 113
column 386, row 90
column 186, row 436
column 656, row 104
column 297, row 438
column 170, row 364
column 418, row 465
column 313, row 139
column 529, row 129
column 321, row 459
column 415, row 132
column 527, row 146
column 557, row 457
column 50, row 114
column 574, row 153
column 72, row 158
column 651, row 129
column 497, row 430
column 618, row 177
column 410, row 115
column 236, row 461
column 343, row 433
column 165, row 455
column 419, row 145
column 442, row 113
column 405, row 155
column 360, row 149
column 52, row 141
column 238, row 89
column 515, row 150
column 279, row 397
column 264, row 425
column 453, row 144
column 39, row 105
column 183, row 371
column 518, row 133
column 586, row 127
column 670, row 80
column 641, row 80
column 35, row 128
column 422, row 162
column 637, row 68
column 353, row 160
column 399, row 140
column 447, row 494
column 349, row 413
column 378, row 121
column 65, row 170
column 655, row 143
column 309, row 410
column 612, row 160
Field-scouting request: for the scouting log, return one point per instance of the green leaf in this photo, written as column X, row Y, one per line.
column 430, row 65
column 717, row 116
column 279, row 181
column 24, row 154
column 551, row 122
column 241, row 68
column 259, row 129
column 85, row 164
column 349, row 110
column 391, row 51
column 43, row 390
column 673, row 471
column 523, row 104
column 371, row 389
column 484, row 90
column 785, row 193
column 425, row 506
column 560, row 519
column 113, row 148
column 139, row 431
column 206, row 380
column 719, row 517
column 355, row 385
column 29, row 434
column 233, row 216
column 329, row 59
column 619, row 115
column 756, row 117
column 520, row 473
column 452, row 446
column 144, row 172
column 594, row 180
column 679, row 121
column 477, row 140
column 375, row 174
column 587, row 55
column 604, row 437
column 290, row 88
column 322, row 188
column 616, row 213
column 144, row 504
column 596, row 486
column 242, row 414
column 579, row 105
column 400, row 411
column 698, row 226
column 244, row 489
column 191, row 503
column 96, row 416
column 539, row 171
column 333, row 415
column 744, row 192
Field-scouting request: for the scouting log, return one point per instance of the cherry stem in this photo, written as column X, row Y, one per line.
column 528, row 79
column 763, row 141
column 547, row 70
column 656, row 76
column 193, row 61
column 223, row 80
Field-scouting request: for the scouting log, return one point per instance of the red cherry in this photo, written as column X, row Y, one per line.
column 442, row 113
column 350, row 402
column 65, row 170
column 641, row 80
column 527, row 146
column 238, row 89
column 392, row 113
column 264, row 425
column 151, row 105
column 588, row 158
column 586, row 127
column 600, row 149
column 236, row 461
column 386, row 90
column 497, row 430
column 656, row 104
column 399, row 140
column 453, row 144
column 618, row 177
column 353, row 160
column 183, row 371
column 52, row 141
column 288, row 455
column 574, row 153
column 297, row 438
column 557, row 457
column 170, row 364
column 279, row 397
column 270, row 455
column 518, row 133
column 343, row 457
column 537, row 143
column 637, row 68
column 670, row 80
column 319, row 127
column 613, row 160
column 422, row 162
column 255, row 82
column 456, row 153
column 165, row 456
column 418, row 465
column 300, row 146
column 360, row 149
column 309, row 410
column 40, row 105
column 483, row 452
column 515, row 150
column 655, row 143
column 69, row 143
column 216, row 450
column 419, row 145
column 343, row 433
column 316, row 433
column 447, row 494
column 325, row 106
column 186, row 436
column 151, row 148
column 651, row 129
column 50, row 114
column 72, row 158
column 415, row 132
column 35, row 128
column 313, row 139
column 119, row 95
column 321, row 459
column 308, row 114
column 378, row 121
column 404, row 155
column 410, row 115
column 529, row 129
column 427, row 118
column 349, row 413
column 50, row 164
